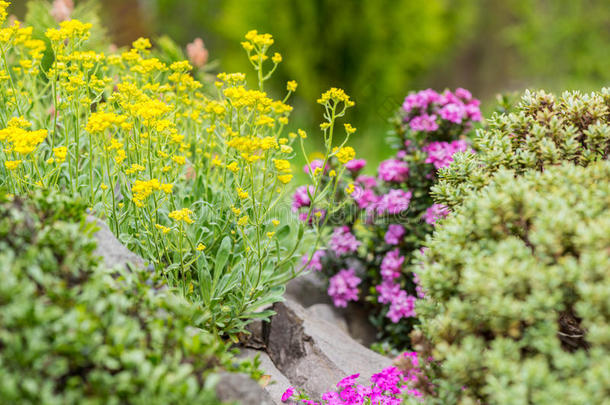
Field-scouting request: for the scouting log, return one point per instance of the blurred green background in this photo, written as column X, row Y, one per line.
column 380, row 50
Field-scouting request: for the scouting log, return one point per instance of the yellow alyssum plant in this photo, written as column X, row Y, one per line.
column 194, row 182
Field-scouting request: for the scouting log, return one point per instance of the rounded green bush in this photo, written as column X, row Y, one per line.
column 74, row 333
column 544, row 130
column 517, row 284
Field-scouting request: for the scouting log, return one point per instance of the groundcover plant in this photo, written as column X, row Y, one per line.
column 192, row 180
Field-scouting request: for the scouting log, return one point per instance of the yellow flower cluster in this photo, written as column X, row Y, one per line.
column 337, row 96
column 100, row 121
column 70, row 29
column 142, row 189
column 182, row 215
column 345, row 154
column 20, row 140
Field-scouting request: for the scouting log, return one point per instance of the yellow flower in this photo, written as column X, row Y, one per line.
column 233, row 167
column 349, row 189
column 345, row 154
column 302, row 133
column 12, row 164
column 101, row 121
column 141, row 44
column 282, row 165
column 162, row 228
column 103, row 186
column 349, row 129
column 277, row 58
column 332, row 173
column 243, row 221
column 236, row 211
column 336, row 95
column 179, row 159
column 270, row 234
column 291, row 85
column 241, row 193
column 60, row 153
column 285, row 178
column 181, row 215
column 275, row 222
column 200, row 247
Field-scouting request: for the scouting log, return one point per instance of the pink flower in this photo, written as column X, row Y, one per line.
column 363, row 197
column 300, row 198
column 315, row 263
column 393, row 170
column 394, row 202
column 402, row 306
column 313, row 165
column 62, row 9
column 453, row 112
column 440, row 154
column 287, row 394
column 197, row 53
column 343, row 241
column 355, row 165
column 435, row 212
column 391, row 264
column 394, row 233
column 424, row 122
column 366, row 181
column 343, row 287
column 387, row 290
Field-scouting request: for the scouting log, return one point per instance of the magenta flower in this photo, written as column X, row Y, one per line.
column 287, row 394
column 394, row 202
column 393, row 170
column 440, row 154
column 394, row 234
column 343, row 241
column 391, row 265
column 313, row 165
column 387, row 290
column 300, row 198
column 402, row 306
column 363, row 197
column 355, row 165
column 424, row 122
column 366, row 181
column 344, row 287
column 453, row 112
column 435, row 212
column 315, row 263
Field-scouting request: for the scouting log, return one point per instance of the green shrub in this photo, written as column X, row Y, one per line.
column 544, row 130
column 73, row 333
column 518, row 291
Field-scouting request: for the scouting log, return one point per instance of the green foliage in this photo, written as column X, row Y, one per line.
column 542, row 131
column 373, row 49
column 518, row 291
column 73, row 333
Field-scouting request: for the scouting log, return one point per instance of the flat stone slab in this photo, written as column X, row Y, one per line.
column 114, row 254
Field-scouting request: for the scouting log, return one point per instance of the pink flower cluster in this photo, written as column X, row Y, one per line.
column 343, row 241
column 343, row 287
column 426, row 110
column 393, row 170
column 315, row 263
column 435, row 212
column 387, row 387
column 394, row 202
column 402, row 305
column 440, row 154
column 394, row 234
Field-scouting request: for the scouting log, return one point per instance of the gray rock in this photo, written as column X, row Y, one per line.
column 358, row 324
column 241, row 388
column 113, row 252
column 307, row 289
column 330, row 314
column 278, row 383
column 315, row 354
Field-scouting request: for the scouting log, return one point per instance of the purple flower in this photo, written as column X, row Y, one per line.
column 435, row 212
column 287, row 394
column 344, row 287
column 313, row 165
column 440, row 154
column 300, row 198
column 391, row 264
column 393, row 170
column 394, row 234
column 343, row 241
column 402, row 306
column 388, row 380
column 453, row 112
column 424, row 122
column 363, row 197
column 394, row 202
column 367, row 181
column 348, row 381
column 314, row 264
column 464, row 94
column 355, row 165
column 473, row 112
column 387, row 290
column 420, row 100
